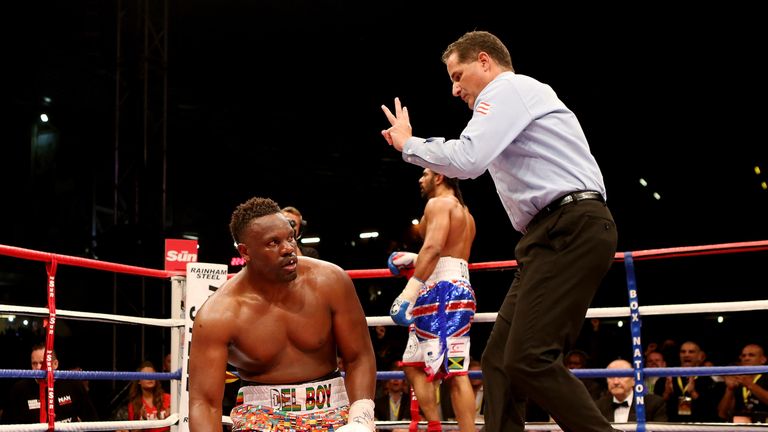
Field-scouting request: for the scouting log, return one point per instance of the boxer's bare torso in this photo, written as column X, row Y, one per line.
column 283, row 336
column 451, row 223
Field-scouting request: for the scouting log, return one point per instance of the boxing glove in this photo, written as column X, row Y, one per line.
column 402, row 308
column 400, row 262
column 360, row 417
column 353, row 427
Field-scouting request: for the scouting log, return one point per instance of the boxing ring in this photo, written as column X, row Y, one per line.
column 185, row 298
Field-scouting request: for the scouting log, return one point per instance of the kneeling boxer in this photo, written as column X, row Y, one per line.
column 281, row 322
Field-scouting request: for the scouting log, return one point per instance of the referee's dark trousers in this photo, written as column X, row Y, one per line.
column 562, row 259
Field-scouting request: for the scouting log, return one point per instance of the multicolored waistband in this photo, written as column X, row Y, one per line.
column 297, row 398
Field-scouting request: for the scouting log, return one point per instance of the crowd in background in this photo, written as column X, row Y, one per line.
column 737, row 398
column 703, row 398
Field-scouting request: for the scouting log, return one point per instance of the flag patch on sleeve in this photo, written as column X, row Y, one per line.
column 483, row 108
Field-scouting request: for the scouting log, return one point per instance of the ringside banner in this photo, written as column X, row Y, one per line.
column 179, row 252
column 203, row 279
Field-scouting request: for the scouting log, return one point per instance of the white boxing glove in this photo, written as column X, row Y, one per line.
column 399, row 262
column 402, row 308
column 360, row 417
column 353, row 427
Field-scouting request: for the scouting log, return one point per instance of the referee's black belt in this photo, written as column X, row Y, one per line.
column 563, row 201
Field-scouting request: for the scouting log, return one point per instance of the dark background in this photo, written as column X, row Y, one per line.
column 167, row 115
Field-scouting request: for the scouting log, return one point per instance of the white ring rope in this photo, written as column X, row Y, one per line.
column 607, row 312
column 94, row 426
column 93, row 316
column 615, row 312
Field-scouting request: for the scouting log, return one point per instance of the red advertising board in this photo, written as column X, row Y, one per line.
column 179, row 252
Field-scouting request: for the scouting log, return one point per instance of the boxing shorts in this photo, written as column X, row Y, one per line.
column 320, row 405
column 438, row 338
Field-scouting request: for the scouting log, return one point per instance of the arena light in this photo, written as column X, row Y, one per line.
column 367, row 235
column 657, row 195
column 310, row 240
column 414, row 221
column 643, row 182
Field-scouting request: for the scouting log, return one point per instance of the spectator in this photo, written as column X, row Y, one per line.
column 388, row 344
column 745, row 399
column 654, row 359
column 299, row 225
column 619, row 405
column 578, row 359
column 651, row 347
column 670, row 350
column 85, row 383
column 394, row 404
column 146, row 401
column 691, row 398
column 71, row 401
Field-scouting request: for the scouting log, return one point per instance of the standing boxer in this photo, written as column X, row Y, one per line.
column 438, row 302
column 281, row 321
